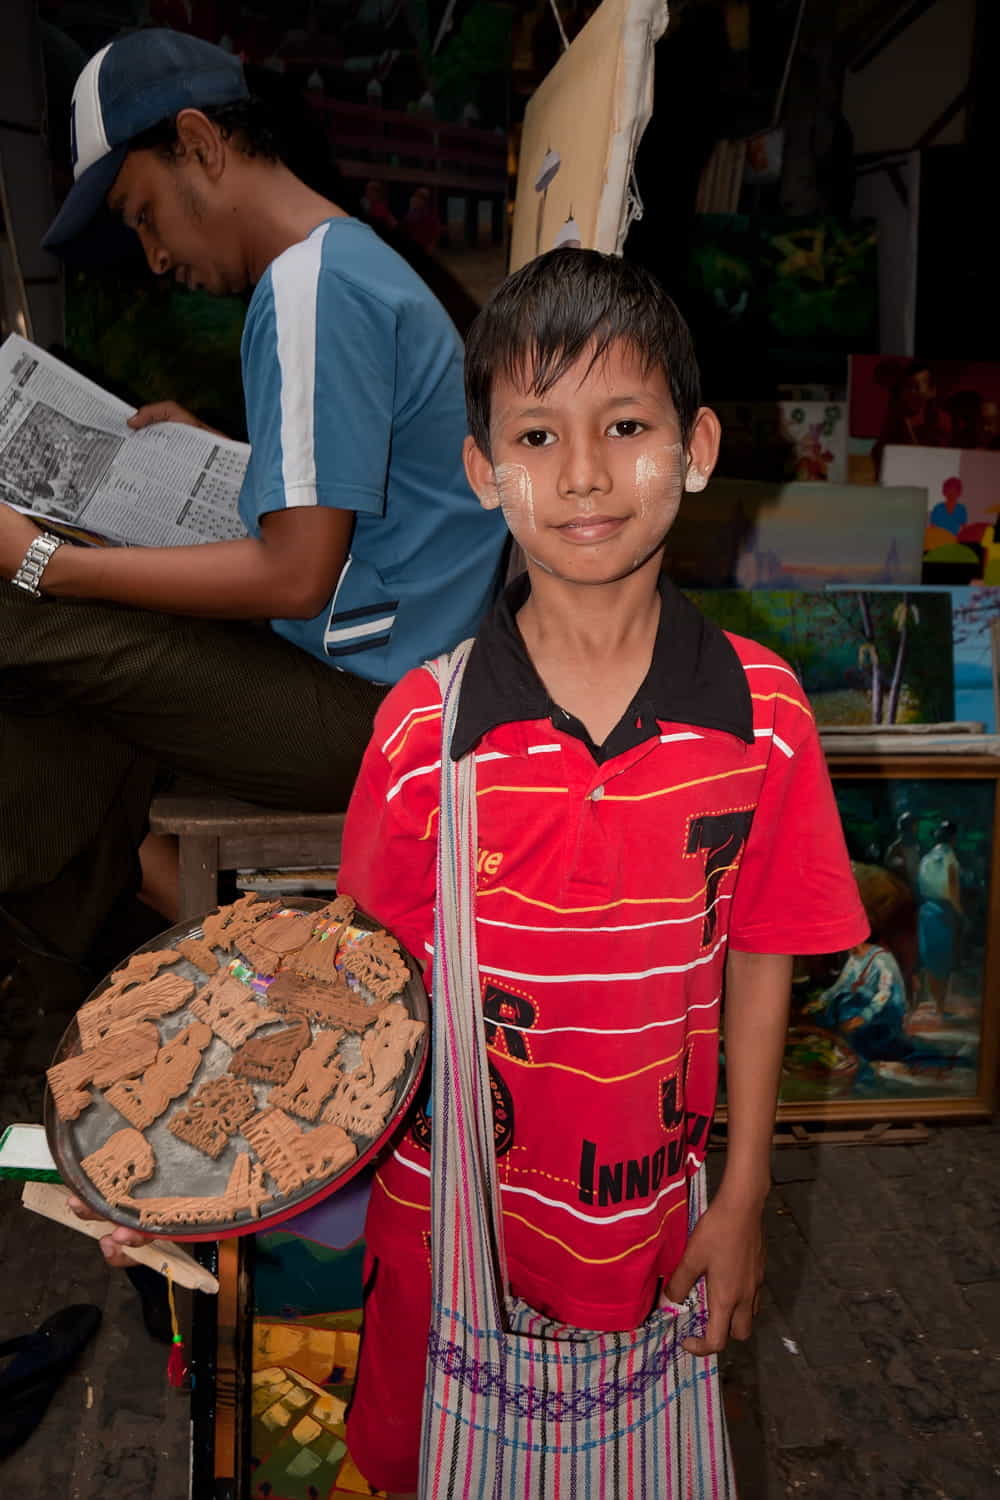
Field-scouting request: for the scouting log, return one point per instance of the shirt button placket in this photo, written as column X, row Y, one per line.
column 594, row 862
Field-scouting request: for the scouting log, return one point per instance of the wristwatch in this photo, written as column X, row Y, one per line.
column 35, row 561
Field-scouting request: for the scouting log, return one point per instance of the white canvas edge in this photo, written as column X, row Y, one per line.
column 645, row 23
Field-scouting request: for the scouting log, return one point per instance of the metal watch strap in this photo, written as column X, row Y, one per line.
column 35, row 561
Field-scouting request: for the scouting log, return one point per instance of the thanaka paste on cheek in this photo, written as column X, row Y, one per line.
column 658, row 485
column 657, row 478
column 517, row 496
column 517, row 502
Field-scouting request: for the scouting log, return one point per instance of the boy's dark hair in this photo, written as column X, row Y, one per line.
column 567, row 303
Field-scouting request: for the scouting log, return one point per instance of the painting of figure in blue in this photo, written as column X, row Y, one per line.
column 900, row 1017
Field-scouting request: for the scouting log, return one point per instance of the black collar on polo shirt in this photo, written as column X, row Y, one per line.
column 695, row 677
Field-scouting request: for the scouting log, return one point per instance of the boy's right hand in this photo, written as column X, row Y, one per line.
column 111, row 1245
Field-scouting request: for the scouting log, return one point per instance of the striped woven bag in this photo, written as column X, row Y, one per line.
column 516, row 1406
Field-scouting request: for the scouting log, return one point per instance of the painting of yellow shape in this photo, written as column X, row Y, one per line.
column 350, row 1481
column 299, row 1441
column 312, row 1352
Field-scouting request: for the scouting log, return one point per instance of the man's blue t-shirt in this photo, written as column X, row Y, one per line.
column 353, row 378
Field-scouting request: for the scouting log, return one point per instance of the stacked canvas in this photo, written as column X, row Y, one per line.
column 749, row 534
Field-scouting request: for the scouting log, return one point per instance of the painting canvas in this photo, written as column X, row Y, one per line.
column 862, row 657
column 306, row 1336
column 581, row 131
column 906, row 1022
column 804, row 440
column 938, row 403
column 975, row 620
column 963, row 500
column 307, row 1299
column 274, row 1358
column 749, row 534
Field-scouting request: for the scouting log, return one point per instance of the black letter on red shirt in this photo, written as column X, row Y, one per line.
column 510, row 1015
column 721, row 836
column 669, row 1113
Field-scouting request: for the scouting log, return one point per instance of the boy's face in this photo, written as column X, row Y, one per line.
column 590, row 475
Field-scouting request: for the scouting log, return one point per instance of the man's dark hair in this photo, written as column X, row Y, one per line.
column 266, row 124
column 568, row 303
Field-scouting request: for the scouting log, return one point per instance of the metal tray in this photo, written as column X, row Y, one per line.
column 181, row 1168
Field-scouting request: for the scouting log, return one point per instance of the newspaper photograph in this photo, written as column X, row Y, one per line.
column 67, row 456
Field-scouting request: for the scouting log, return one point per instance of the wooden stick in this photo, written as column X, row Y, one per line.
column 51, row 1200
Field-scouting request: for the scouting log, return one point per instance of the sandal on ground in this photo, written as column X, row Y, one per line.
column 40, row 1360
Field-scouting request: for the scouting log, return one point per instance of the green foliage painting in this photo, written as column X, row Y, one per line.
column 863, row 658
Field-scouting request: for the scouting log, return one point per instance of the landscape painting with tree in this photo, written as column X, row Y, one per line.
column 863, row 657
column 975, row 611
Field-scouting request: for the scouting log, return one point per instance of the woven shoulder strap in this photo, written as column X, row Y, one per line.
column 469, row 1263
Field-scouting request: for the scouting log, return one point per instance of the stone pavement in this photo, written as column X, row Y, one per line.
column 873, row 1374
column 115, row 1429
column 874, row 1370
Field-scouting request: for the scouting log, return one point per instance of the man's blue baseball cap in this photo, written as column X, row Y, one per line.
column 132, row 84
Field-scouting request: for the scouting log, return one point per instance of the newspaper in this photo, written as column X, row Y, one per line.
column 68, row 457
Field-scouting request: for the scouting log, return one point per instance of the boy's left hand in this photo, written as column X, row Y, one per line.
column 727, row 1248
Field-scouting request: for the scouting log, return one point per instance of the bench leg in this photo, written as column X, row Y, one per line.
column 199, row 875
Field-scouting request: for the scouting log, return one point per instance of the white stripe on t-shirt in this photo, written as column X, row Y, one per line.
column 296, row 293
column 357, row 632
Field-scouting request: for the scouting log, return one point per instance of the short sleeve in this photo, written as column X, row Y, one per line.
column 319, row 371
column 795, row 891
column 388, row 862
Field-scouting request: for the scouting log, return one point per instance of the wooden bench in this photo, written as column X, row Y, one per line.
column 222, row 833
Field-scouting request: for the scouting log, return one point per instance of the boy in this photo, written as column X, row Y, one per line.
column 655, row 820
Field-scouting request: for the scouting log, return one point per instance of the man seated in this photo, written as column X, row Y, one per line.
column 366, row 553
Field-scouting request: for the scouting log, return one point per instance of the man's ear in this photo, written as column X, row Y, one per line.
column 479, row 472
column 201, row 141
column 702, row 449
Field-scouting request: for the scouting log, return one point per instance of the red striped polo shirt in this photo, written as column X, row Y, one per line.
column 610, row 884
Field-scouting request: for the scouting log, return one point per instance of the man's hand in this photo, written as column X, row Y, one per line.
column 727, row 1248
column 16, row 535
column 168, row 411
column 111, row 1245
